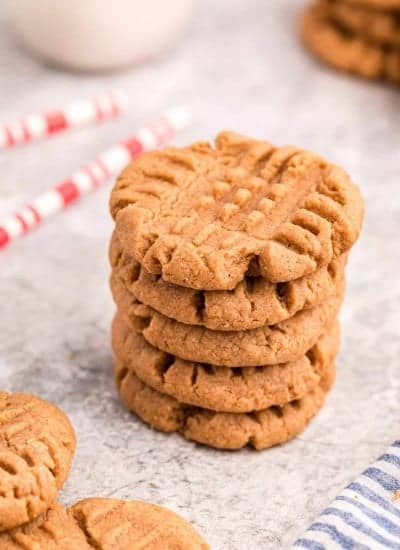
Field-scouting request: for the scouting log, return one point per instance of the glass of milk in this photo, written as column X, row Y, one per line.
column 99, row 35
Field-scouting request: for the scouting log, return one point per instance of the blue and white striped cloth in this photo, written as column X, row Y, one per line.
column 366, row 515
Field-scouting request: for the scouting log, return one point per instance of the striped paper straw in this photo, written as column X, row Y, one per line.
column 92, row 175
column 102, row 107
column 366, row 515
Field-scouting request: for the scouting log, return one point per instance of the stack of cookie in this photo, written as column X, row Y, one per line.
column 228, row 274
column 358, row 36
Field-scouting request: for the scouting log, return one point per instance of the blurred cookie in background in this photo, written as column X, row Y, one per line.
column 359, row 38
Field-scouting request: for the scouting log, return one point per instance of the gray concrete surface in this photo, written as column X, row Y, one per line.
column 240, row 67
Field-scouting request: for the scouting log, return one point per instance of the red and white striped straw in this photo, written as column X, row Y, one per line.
column 92, row 175
column 102, row 107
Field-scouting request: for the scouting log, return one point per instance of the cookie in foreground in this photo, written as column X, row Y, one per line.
column 37, row 445
column 105, row 524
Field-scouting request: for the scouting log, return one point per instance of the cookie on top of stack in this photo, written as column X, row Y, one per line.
column 358, row 36
column 228, row 274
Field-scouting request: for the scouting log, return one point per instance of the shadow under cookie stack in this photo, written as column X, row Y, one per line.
column 357, row 36
column 228, row 275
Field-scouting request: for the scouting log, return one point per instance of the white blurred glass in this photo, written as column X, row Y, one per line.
column 100, row 34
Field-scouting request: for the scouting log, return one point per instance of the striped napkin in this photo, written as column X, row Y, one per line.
column 366, row 515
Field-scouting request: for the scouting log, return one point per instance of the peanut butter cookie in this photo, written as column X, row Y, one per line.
column 55, row 529
column 37, row 444
column 260, row 429
column 377, row 4
column 255, row 302
column 129, row 525
column 224, row 389
column 286, row 341
column 205, row 217
column 105, row 524
column 346, row 50
column 375, row 25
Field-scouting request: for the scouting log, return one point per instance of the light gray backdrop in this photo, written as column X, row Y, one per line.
column 240, row 67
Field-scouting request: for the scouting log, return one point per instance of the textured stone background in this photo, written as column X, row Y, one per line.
column 241, row 67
